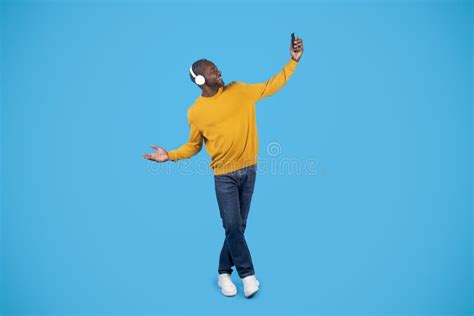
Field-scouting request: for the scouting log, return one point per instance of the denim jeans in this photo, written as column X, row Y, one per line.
column 234, row 192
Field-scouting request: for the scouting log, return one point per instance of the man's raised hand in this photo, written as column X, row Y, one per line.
column 160, row 155
column 297, row 50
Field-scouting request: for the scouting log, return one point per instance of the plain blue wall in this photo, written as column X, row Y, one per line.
column 382, row 99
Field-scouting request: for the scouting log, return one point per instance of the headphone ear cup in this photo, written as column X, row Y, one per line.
column 200, row 80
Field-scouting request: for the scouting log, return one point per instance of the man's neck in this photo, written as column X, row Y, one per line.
column 208, row 91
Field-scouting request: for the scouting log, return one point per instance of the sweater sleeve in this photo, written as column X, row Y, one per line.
column 258, row 91
column 191, row 148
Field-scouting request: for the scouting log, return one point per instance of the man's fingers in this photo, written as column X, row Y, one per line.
column 297, row 45
column 155, row 147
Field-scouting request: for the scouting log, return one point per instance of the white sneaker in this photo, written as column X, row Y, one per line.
column 227, row 286
column 251, row 285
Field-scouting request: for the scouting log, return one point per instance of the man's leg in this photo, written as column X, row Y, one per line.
column 246, row 188
column 225, row 259
column 247, row 185
column 230, row 190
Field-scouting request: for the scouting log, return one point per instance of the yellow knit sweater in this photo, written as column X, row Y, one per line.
column 226, row 122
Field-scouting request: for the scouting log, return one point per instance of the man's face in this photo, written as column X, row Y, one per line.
column 213, row 75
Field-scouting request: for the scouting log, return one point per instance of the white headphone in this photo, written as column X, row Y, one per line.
column 199, row 79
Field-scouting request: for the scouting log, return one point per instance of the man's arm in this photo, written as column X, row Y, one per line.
column 192, row 147
column 259, row 91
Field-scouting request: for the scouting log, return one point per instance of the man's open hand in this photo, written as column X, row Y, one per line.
column 160, row 155
column 297, row 50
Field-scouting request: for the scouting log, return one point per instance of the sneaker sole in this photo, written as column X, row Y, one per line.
column 225, row 293
column 252, row 294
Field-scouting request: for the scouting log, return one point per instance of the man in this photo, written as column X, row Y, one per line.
column 223, row 116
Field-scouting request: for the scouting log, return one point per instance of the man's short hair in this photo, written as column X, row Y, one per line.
column 198, row 68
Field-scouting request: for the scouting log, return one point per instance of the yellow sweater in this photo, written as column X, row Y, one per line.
column 226, row 122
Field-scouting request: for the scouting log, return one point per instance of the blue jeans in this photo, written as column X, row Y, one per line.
column 234, row 192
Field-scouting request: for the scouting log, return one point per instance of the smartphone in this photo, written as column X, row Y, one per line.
column 293, row 39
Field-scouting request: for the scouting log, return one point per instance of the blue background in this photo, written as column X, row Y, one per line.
column 382, row 98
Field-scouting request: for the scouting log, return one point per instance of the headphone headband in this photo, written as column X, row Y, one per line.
column 192, row 72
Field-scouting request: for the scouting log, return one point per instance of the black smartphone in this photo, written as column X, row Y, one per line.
column 293, row 39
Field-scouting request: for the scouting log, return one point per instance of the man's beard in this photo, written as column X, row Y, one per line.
column 218, row 84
